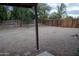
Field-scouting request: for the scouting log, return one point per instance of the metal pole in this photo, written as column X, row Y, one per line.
column 36, row 27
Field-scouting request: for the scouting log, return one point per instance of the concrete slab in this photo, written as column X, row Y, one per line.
column 45, row 53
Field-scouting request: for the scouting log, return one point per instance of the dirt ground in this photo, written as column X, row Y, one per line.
column 57, row 40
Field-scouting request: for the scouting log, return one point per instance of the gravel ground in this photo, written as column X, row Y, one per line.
column 57, row 40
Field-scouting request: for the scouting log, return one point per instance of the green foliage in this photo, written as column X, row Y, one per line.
column 61, row 12
column 3, row 13
column 69, row 17
column 43, row 10
column 54, row 15
column 14, row 13
column 23, row 14
column 77, row 18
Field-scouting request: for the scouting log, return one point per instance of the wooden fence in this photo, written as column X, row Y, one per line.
column 74, row 23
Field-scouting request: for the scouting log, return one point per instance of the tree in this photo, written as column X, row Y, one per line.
column 43, row 11
column 61, row 10
column 3, row 13
column 24, row 15
column 78, row 17
column 8, row 12
column 14, row 13
column 69, row 17
column 54, row 15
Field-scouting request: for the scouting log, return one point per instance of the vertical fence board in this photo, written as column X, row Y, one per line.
column 72, row 23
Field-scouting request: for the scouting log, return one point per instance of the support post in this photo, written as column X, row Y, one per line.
column 36, row 27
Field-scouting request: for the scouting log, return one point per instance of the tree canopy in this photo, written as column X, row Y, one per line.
column 24, row 14
column 61, row 12
column 3, row 13
column 43, row 11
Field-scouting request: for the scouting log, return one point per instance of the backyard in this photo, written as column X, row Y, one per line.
column 28, row 29
column 56, row 40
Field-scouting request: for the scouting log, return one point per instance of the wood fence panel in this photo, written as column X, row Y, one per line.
column 78, row 24
column 63, row 23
